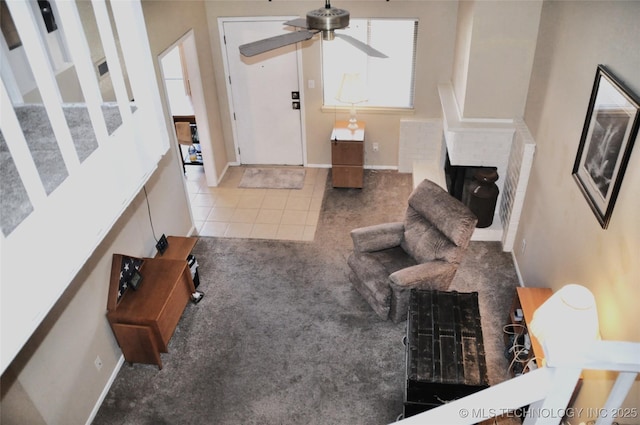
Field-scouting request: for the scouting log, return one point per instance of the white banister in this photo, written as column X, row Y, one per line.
column 38, row 57
column 19, row 151
column 547, row 411
column 107, row 181
column 80, row 54
column 617, row 395
column 113, row 59
column 546, row 391
column 493, row 401
column 154, row 140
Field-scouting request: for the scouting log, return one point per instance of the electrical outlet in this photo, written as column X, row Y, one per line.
column 523, row 246
column 376, row 147
column 98, row 363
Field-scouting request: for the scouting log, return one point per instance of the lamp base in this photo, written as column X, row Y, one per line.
column 353, row 124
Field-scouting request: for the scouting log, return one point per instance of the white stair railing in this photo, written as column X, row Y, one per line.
column 546, row 391
column 42, row 254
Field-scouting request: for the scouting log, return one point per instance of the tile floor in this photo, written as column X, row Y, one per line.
column 230, row 211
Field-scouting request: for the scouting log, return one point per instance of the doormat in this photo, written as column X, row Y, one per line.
column 273, row 178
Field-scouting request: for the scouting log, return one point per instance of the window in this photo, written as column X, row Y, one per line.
column 389, row 81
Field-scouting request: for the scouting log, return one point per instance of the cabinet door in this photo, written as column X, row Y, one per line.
column 347, row 153
column 138, row 343
column 347, row 176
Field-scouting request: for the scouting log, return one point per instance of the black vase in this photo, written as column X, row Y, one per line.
column 483, row 195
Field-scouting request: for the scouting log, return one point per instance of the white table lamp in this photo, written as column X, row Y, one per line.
column 352, row 90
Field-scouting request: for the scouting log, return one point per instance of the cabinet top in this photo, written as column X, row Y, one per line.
column 341, row 131
column 179, row 248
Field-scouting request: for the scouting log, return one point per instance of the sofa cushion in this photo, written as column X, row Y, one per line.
column 424, row 242
column 453, row 219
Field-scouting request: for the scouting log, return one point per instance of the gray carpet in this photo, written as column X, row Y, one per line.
column 15, row 205
column 281, row 337
column 273, row 178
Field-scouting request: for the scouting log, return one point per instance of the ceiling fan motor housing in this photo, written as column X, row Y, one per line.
column 327, row 20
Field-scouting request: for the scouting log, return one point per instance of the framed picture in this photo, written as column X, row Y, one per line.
column 609, row 131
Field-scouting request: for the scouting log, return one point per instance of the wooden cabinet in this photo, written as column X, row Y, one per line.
column 525, row 303
column 144, row 320
column 347, row 155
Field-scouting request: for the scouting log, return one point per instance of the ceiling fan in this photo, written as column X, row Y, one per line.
column 325, row 20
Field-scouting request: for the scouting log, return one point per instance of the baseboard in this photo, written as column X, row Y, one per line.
column 515, row 264
column 105, row 391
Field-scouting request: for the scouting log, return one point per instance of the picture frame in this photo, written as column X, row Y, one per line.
column 608, row 136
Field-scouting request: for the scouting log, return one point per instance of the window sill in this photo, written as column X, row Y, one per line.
column 369, row 110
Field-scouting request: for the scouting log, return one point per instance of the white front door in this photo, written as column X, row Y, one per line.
column 268, row 130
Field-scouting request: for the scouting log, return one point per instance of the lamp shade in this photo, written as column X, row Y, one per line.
column 352, row 89
column 567, row 322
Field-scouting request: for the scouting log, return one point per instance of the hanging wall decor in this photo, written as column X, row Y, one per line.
column 609, row 131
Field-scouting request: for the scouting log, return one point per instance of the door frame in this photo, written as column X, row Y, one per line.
column 199, row 106
column 225, row 62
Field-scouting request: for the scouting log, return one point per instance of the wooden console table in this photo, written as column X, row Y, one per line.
column 528, row 300
column 144, row 320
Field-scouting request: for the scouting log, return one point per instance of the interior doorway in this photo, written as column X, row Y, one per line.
column 183, row 87
column 264, row 93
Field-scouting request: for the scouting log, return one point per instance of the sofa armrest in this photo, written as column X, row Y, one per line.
column 377, row 237
column 431, row 275
column 435, row 275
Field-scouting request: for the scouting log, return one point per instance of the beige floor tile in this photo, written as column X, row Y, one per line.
column 203, row 200
column 221, row 214
column 250, row 201
column 294, row 217
column 309, row 233
column 228, row 200
column 239, row 230
column 299, row 204
column 213, row 228
column 305, row 192
column 193, row 187
column 312, row 218
column 291, row 232
column 287, row 214
column 244, row 215
column 253, row 192
column 315, row 204
column 274, row 202
column 266, row 216
column 264, row 231
column 200, row 213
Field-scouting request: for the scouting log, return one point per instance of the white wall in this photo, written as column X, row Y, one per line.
column 564, row 241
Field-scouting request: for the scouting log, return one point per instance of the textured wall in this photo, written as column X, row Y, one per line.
column 564, row 241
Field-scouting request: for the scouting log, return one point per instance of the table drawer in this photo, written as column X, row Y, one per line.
column 347, row 176
column 347, row 153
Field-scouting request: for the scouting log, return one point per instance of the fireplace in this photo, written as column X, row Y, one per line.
column 475, row 187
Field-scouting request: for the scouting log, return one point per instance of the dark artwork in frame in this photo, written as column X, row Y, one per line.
column 608, row 135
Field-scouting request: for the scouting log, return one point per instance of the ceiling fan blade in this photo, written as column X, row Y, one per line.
column 299, row 22
column 362, row 46
column 271, row 43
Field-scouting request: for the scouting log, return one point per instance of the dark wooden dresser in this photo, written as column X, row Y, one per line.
column 444, row 349
column 144, row 320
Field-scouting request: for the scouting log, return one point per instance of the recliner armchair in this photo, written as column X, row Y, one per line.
column 422, row 252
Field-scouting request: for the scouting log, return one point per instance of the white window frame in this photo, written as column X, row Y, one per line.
column 339, row 57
